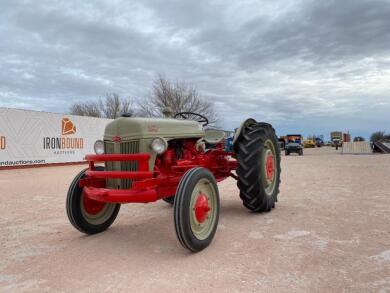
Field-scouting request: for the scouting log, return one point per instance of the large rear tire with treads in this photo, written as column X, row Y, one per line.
column 258, row 156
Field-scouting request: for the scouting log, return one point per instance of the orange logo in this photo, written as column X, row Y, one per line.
column 68, row 127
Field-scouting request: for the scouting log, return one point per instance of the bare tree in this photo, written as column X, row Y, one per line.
column 378, row 136
column 86, row 109
column 179, row 97
column 112, row 106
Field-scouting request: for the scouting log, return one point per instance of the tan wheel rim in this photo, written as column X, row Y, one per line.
column 269, row 168
column 97, row 218
column 202, row 222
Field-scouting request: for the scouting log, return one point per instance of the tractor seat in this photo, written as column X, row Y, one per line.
column 214, row 136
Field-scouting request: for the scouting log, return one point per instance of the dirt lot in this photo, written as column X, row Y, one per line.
column 329, row 232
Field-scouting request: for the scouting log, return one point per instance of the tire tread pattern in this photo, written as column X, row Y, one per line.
column 181, row 209
column 249, row 147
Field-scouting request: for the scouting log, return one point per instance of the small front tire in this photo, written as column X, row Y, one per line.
column 196, row 209
column 87, row 215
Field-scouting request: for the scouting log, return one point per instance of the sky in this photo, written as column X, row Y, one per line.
column 305, row 66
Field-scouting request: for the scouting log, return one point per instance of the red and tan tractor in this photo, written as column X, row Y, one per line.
column 179, row 161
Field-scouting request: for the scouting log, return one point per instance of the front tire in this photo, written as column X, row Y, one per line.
column 196, row 209
column 258, row 157
column 87, row 215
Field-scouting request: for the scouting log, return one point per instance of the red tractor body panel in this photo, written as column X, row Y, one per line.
column 148, row 185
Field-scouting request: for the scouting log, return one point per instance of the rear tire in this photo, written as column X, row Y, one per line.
column 287, row 153
column 196, row 209
column 258, row 157
column 301, row 152
column 86, row 215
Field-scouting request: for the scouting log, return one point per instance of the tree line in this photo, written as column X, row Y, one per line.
column 376, row 136
column 178, row 97
column 380, row 136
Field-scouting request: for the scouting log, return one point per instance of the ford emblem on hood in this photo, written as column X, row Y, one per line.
column 116, row 138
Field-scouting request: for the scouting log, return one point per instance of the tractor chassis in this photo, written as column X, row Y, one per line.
column 184, row 175
column 149, row 186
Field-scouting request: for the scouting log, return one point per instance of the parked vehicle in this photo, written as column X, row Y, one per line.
column 150, row 159
column 319, row 142
column 282, row 142
column 229, row 144
column 294, row 138
column 336, row 137
column 293, row 147
column 309, row 143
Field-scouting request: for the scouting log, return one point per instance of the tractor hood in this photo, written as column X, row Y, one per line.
column 138, row 128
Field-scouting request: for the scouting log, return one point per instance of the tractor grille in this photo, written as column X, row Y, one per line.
column 131, row 147
column 128, row 147
column 109, row 148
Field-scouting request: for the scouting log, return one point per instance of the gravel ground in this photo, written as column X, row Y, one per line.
column 330, row 232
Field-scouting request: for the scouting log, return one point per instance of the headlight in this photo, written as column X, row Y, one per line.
column 159, row 145
column 99, row 147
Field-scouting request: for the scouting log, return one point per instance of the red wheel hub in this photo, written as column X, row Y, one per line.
column 91, row 206
column 270, row 166
column 201, row 208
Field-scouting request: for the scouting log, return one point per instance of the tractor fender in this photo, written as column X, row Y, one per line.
column 244, row 124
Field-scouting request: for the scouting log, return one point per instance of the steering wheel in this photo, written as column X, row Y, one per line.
column 192, row 116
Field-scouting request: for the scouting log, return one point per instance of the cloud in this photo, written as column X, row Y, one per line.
column 321, row 62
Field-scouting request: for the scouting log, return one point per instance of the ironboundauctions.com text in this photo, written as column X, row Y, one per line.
column 21, row 162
